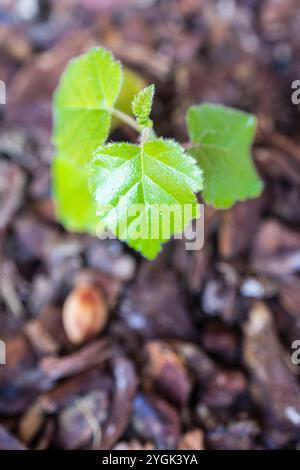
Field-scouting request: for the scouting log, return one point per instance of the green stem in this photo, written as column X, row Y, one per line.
column 126, row 119
column 144, row 135
column 187, row 145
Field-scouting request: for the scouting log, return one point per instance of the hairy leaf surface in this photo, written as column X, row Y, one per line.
column 143, row 191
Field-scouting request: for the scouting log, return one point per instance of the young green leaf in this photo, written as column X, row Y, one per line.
column 142, row 191
column 142, row 104
column 87, row 91
column 222, row 139
column 75, row 205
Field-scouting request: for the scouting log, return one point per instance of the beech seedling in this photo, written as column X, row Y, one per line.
column 95, row 182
